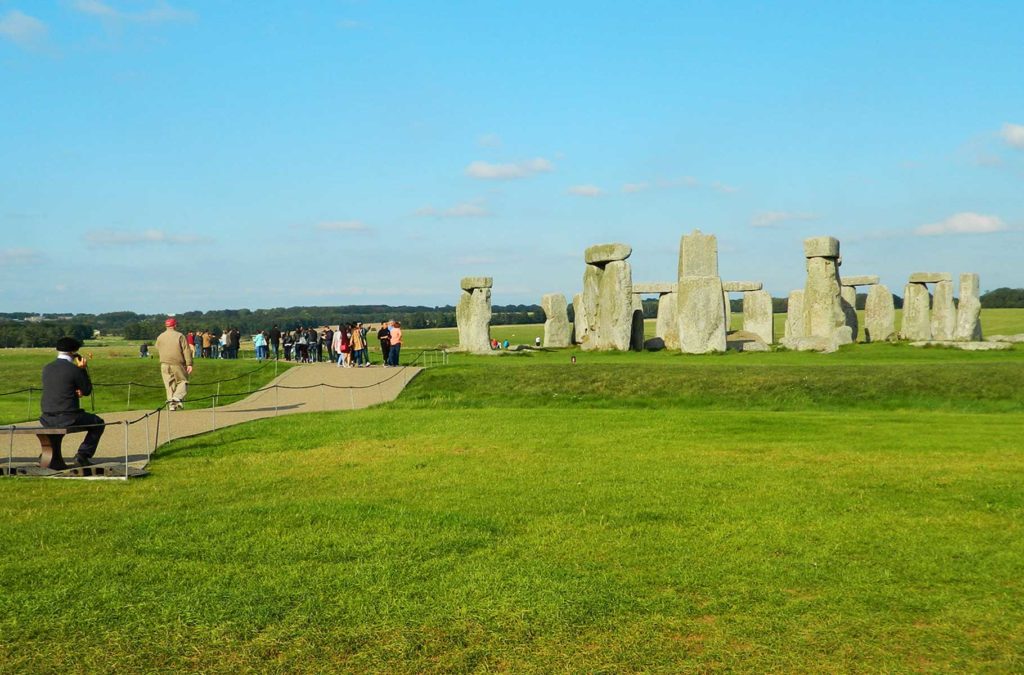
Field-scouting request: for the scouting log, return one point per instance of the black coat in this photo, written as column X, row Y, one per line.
column 61, row 379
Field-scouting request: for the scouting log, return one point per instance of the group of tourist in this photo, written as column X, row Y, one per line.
column 214, row 344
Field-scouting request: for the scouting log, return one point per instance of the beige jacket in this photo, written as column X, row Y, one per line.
column 173, row 348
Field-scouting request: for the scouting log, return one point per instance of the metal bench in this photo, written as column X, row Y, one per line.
column 50, row 439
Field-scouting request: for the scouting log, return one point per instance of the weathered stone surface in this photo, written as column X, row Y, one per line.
column 592, row 275
column 615, row 307
column 984, row 346
column 655, row 344
column 862, row 280
column 795, row 315
column 469, row 283
column 1012, row 339
column 821, row 247
column 929, row 277
column 655, row 288
column 819, row 343
column 848, row 300
column 636, row 338
column 757, row 315
column 727, row 306
column 557, row 329
column 701, row 315
column 601, row 254
column 741, row 286
column 473, row 316
column 745, row 341
column 822, row 306
column 579, row 311
column 879, row 315
column 943, row 311
column 968, row 312
column 916, row 319
column 667, row 327
column 698, row 255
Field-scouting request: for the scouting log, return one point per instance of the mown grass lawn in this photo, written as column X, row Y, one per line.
column 860, row 511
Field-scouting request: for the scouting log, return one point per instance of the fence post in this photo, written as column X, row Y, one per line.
column 125, row 422
column 10, row 454
column 129, row 396
column 29, row 409
column 277, row 398
column 213, row 407
column 148, row 454
column 323, row 403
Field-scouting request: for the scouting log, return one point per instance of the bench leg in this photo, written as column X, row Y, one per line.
column 51, row 458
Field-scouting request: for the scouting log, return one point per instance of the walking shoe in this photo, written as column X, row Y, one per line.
column 83, row 461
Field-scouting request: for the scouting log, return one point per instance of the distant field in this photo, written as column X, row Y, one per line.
column 780, row 512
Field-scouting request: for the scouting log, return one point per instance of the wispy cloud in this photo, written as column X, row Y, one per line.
column 476, row 209
column 23, row 30
column 141, row 237
column 342, row 226
column 632, row 188
column 770, row 218
column 489, row 141
column 157, row 12
column 489, row 171
column 585, row 191
column 349, row 24
column 685, row 182
column 19, row 256
column 724, row 188
column 1013, row 135
column 963, row 223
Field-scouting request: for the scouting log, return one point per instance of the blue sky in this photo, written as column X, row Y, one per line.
column 168, row 156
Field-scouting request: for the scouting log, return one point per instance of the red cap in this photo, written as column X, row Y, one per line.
column 171, row 321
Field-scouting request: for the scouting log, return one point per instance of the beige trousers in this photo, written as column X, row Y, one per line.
column 175, row 381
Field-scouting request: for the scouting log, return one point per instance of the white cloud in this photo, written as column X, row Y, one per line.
column 157, row 12
column 686, row 182
column 19, row 256
column 342, row 226
column 22, row 29
column 1013, row 134
column 349, row 24
column 723, row 188
column 475, row 209
column 963, row 223
column 489, row 141
column 134, row 238
column 770, row 218
column 585, row 191
column 489, row 171
column 633, row 188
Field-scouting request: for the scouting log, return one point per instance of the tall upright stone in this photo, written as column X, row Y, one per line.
column 795, row 315
column 636, row 335
column 473, row 315
column 943, row 311
column 879, row 315
column 581, row 324
column 848, row 300
column 916, row 320
column 823, row 323
column 728, row 310
column 757, row 315
column 667, row 326
column 968, row 312
column 608, row 298
column 701, row 309
column 557, row 329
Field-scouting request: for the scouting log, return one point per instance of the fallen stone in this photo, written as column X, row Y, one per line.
column 862, row 280
column 698, row 255
column 667, row 325
column 943, row 312
column 916, row 321
column 655, row 344
column 701, row 315
column 557, row 329
column 655, row 288
column 469, row 283
column 879, row 315
column 795, row 315
column 757, row 315
column 968, row 311
column 1011, row 339
column 929, row 277
column 745, row 341
column 821, row 247
column 601, row 254
column 984, row 346
column 741, row 286
column 819, row 343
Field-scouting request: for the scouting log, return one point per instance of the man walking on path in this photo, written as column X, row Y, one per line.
column 175, row 363
column 65, row 382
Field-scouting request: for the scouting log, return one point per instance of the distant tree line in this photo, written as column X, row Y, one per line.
column 41, row 334
column 1003, row 297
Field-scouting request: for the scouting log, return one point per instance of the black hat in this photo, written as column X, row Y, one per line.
column 68, row 344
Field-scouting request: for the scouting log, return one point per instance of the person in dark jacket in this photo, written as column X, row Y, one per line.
column 65, row 382
column 384, row 337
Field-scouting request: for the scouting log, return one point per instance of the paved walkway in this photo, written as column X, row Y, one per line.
column 308, row 388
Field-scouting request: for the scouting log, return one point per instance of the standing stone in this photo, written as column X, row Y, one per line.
column 728, row 310
column 879, row 315
column 757, row 315
column 823, row 310
column 848, row 299
column 968, row 313
column 668, row 320
column 701, row 316
column 579, row 310
column 636, row 337
column 557, row 329
column 795, row 315
column 916, row 322
column 591, row 295
column 698, row 255
column 615, row 307
column 473, row 315
column 943, row 311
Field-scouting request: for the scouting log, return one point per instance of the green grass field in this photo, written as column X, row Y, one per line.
column 791, row 512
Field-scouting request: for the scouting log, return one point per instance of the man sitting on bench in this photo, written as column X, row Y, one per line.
column 65, row 381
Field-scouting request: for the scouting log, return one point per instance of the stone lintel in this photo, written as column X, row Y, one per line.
column 821, row 247
column 600, row 254
column 655, row 287
column 469, row 283
column 930, row 277
column 862, row 280
column 741, row 286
